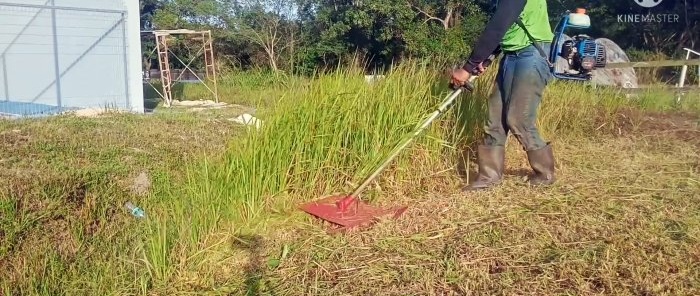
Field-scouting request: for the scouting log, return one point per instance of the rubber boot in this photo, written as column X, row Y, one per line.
column 542, row 163
column 490, row 161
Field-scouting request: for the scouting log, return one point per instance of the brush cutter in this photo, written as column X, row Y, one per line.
column 347, row 212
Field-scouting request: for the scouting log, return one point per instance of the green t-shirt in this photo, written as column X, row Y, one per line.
column 536, row 20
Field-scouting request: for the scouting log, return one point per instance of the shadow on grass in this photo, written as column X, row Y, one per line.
column 255, row 283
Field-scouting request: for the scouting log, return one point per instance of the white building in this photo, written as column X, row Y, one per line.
column 59, row 55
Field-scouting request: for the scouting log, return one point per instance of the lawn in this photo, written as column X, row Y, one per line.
column 220, row 197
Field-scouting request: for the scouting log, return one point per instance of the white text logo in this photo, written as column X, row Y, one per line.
column 648, row 3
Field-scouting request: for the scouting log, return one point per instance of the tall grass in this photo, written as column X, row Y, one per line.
column 319, row 138
column 323, row 136
column 63, row 226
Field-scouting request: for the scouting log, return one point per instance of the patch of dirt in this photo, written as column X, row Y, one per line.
column 683, row 126
column 59, row 236
column 201, row 105
column 22, row 190
column 77, row 193
column 94, row 226
column 14, row 138
column 36, row 245
column 57, row 218
column 141, row 185
column 93, row 112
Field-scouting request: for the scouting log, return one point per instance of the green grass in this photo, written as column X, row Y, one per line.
column 322, row 136
column 315, row 140
column 259, row 88
column 221, row 214
column 63, row 227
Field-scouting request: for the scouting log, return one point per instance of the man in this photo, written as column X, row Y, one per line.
column 522, row 76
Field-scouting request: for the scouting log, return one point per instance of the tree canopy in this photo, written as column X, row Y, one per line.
column 304, row 35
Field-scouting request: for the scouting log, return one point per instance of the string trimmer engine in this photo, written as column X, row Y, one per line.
column 583, row 55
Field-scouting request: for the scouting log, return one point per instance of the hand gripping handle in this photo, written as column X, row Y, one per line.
column 469, row 85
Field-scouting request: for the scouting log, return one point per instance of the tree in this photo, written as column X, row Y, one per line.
column 447, row 13
column 271, row 29
column 148, row 9
column 312, row 34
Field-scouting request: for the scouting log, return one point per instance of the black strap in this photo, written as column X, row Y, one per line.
column 534, row 42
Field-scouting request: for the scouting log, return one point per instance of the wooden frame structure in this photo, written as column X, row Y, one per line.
column 164, row 52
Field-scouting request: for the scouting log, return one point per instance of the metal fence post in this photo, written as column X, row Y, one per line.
column 684, row 70
column 126, row 61
column 55, row 53
column 4, row 78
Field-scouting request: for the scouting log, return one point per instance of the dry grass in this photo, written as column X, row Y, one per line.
column 622, row 220
column 63, row 227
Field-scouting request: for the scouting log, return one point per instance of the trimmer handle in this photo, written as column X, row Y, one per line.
column 469, row 85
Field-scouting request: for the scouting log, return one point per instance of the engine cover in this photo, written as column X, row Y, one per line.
column 591, row 53
column 583, row 54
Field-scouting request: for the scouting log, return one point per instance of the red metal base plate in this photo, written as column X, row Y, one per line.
column 359, row 214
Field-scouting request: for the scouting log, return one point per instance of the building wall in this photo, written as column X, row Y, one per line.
column 92, row 47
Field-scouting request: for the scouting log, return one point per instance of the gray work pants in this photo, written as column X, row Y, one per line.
column 515, row 98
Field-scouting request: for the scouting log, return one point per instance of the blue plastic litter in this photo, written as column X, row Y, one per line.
column 135, row 211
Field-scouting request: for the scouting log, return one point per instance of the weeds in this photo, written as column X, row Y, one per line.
column 322, row 136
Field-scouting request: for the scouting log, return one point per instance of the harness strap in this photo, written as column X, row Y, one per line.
column 534, row 42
